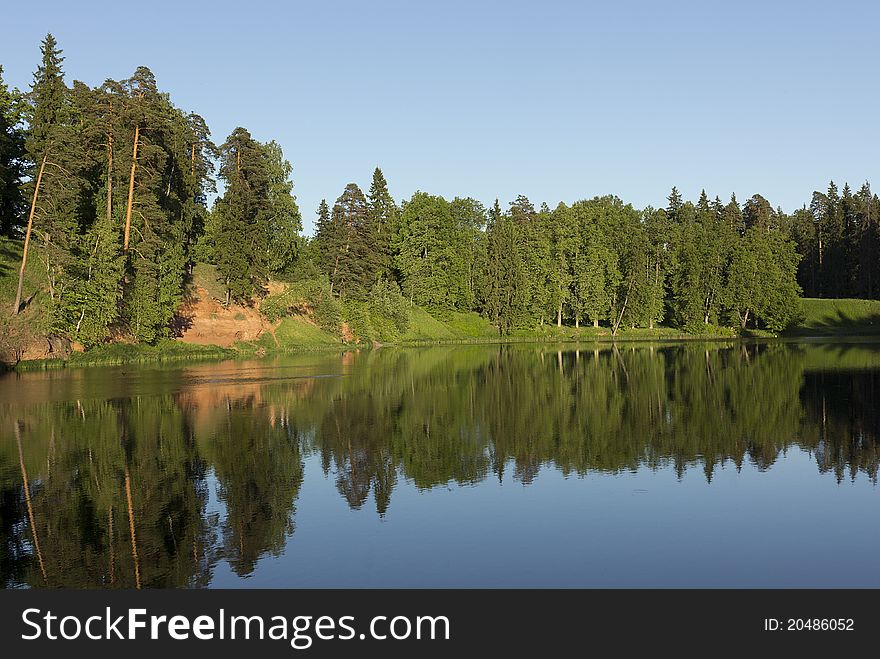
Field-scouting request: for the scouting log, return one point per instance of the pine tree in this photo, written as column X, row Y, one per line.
column 156, row 160
column 48, row 94
column 323, row 213
column 658, row 263
column 868, row 242
column 200, row 182
column 757, row 212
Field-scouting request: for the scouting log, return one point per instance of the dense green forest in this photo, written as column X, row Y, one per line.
column 120, row 480
column 113, row 191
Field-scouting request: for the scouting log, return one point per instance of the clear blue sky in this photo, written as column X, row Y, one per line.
column 554, row 100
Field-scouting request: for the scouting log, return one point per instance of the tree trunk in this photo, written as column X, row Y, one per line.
column 577, row 322
column 559, row 316
column 623, row 308
column 134, row 551
column 745, row 319
column 110, row 544
column 596, row 323
column 27, row 236
column 109, row 177
column 134, row 154
column 27, row 499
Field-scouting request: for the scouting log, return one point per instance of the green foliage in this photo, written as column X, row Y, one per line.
column 285, row 222
column 122, row 219
column 307, row 297
column 253, row 231
column 346, row 246
column 98, row 294
column 12, row 159
column 383, row 316
column 504, row 296
column 241, row 239
column 166, row 350
column 387, row 302
column 762, row 281
column 435, row 252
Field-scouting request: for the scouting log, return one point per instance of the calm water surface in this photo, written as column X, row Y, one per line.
column 683, row 465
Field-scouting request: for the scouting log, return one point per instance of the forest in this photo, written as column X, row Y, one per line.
column 118, row 194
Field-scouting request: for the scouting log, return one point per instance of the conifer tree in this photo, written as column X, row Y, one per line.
column 384, row 214
column 504, row 300
column 245, row 214
column 732, row 216
column 48, row 94
column 674, row 204
column 345, row 245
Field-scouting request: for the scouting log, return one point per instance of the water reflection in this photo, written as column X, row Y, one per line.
column 106, row 475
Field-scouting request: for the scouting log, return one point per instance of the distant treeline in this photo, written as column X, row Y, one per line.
column 109, row 187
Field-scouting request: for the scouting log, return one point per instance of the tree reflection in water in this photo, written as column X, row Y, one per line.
column 118, row 475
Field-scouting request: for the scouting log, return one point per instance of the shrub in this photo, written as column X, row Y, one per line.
column 310, row 297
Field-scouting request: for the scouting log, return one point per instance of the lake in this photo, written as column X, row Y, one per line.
column 722, row 464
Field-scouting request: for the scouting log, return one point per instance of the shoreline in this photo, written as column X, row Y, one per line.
column 173, row 351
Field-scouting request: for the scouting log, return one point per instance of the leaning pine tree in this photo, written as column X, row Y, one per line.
column 48, row 93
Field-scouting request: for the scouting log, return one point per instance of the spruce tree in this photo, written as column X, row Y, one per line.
column 245, row 213
column 674, row 204
column 345, row 245
column 384, row 215
column 732, row 216
column 504, row 298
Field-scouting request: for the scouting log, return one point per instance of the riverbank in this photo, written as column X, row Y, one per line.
column 213, row 331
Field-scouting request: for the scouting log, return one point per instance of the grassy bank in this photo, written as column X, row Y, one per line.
column 122, row 353
column 844, row 317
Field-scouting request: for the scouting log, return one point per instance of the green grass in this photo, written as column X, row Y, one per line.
column 295, row 333
column 10, row 261
column 124, row 353
column 468, row 324
column 167, row 350
column 205, row 276
column 26, row 328
column 424, row 327
column 844, row 317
